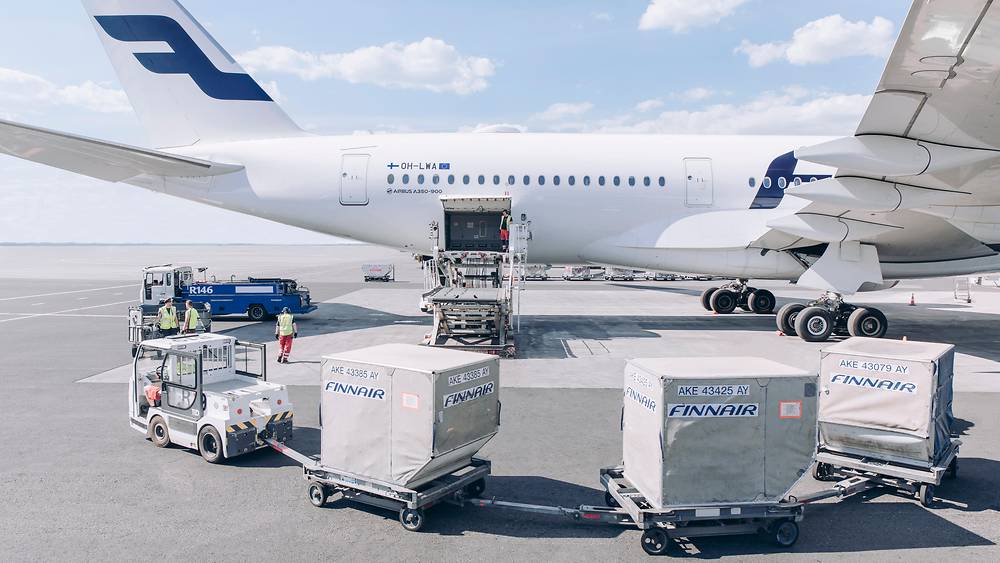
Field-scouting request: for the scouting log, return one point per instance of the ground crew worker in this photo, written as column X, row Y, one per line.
column 191, row 317
column 504, row 229
column 285, row 330
column 166, row 318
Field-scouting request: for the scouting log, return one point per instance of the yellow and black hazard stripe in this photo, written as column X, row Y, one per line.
column 287, row 415
column 239, row 426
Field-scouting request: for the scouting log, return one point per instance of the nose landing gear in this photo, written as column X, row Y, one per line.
column 737, row 293
column 830, row 315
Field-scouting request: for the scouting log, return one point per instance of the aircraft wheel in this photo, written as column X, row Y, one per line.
column 786, row 317
column 762, row 301
column 723, row 301
column 870, row 323
column 706, row 298
column 814, row 324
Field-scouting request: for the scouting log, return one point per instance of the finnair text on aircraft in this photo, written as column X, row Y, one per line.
column 459, row 397
column 712, row 410
column 646, row 402
column 376, row 393
column 874, row 383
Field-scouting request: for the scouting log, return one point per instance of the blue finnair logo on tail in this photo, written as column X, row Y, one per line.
column 187, row 58
column 780, row 174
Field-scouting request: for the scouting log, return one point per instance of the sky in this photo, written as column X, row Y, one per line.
column 628, row 66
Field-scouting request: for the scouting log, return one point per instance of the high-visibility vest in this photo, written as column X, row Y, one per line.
column 285, row 326
column 168, row 318
column 192, row 319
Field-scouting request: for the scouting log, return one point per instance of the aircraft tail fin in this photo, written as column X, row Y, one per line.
column 183, row 85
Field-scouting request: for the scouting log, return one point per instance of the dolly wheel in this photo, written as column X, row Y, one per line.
column 476, row 488
column 610, row 500
column 317, row 494
column 655, row 541
column 785, row 533
column 412, row 519
column 926, row 495
column 822, row 471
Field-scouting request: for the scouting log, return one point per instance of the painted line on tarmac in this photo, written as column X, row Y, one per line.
column 54, row 313
column 95, row 316
column 68, row 292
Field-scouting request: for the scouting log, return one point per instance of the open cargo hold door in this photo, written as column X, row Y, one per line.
column 473, row 222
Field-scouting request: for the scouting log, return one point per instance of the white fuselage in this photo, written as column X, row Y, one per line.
column 341, row 186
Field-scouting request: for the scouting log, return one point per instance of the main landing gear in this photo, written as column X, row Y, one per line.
column 829, row 315
column 737, row 293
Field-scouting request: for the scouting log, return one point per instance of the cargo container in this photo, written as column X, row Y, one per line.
column 704, row 431
column 405, row 414
column 887, row 400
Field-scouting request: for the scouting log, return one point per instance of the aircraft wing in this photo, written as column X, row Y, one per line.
column 100, row 159
column 923, row 160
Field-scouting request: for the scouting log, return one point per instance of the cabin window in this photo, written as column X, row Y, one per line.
column 767, row 182
column 420, row 178
column 555, row 180
column 482, row 179
column 511, row 180
column 541, row 180
column 526, row 180
column 451, row 178
column 571, row 180
column 663, row 181
column 813, row 179
column 435, row 179
column 617, row 181
column 586, row 180
column 600, row 180
column 645, row 181
column 782, row 182
column 753, row 182
column 390, row 179
column 631, row 180
column 797, row 181
column 496, row 179
column 406, row 178
column 465, row 179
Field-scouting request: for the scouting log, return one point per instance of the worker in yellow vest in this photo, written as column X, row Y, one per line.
column 191, row 318
column 285, row 330
column 166, row 318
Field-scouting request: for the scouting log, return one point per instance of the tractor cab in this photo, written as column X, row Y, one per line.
column 207, row 392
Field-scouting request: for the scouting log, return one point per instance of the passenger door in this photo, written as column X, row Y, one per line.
column 354, row 179
column 700, row 190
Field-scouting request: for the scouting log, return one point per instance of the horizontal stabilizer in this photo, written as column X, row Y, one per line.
column 103, row 160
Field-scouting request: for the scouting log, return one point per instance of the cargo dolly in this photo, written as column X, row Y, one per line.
column 453, row 488
column 917, row 481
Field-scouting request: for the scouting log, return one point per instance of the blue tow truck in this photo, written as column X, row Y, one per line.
column 257, row 298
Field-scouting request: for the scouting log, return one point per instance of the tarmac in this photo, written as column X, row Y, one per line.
column 78, row 484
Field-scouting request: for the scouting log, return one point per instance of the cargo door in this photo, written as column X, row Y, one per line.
column 700, row 190
column 467, row 405
column 354, row 179
column 714, row 441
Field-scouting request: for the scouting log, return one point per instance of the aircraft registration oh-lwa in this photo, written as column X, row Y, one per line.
column 912, row 194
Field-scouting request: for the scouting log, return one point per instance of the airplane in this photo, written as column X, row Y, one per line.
column 910, row 195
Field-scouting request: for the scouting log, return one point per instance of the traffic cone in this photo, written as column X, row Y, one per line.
column 913, row 300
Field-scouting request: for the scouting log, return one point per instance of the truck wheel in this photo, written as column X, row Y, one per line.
column 256, row 312
column 785, row 533
column 158, row 432
column 706, row 298
column 814, row 324
column 317, row 494
column 210, row 444
column 412, row 519
column 655, row 541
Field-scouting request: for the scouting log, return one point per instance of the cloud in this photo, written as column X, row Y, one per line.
column 823, row 40
column 429, row 64
column 696, row 94
column 789, row 111
column 562, row 110
column 681, row 15
column 648, row 105
column 602, row 16
column 18, row 87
